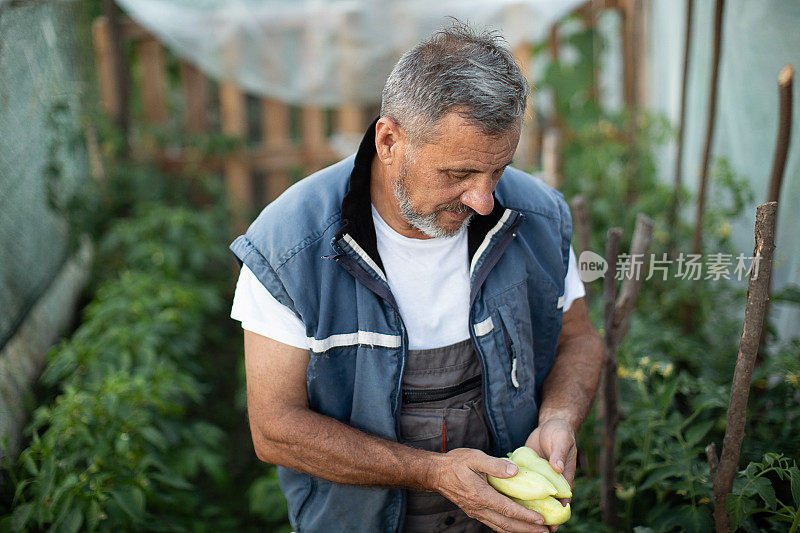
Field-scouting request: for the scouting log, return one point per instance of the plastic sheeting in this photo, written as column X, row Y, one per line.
column 323, row 52
column 758, row 39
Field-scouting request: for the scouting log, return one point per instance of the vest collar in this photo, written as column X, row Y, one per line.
column 357, row 214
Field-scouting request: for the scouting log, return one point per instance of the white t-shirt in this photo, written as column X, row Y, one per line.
column 429, row 279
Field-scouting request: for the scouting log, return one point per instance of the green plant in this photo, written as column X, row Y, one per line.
column 111, row 455
column 759, row 492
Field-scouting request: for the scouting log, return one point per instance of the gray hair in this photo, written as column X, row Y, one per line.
column 457, row 69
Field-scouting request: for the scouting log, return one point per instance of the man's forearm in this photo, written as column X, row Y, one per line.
column 570, row 387
column 322, row 446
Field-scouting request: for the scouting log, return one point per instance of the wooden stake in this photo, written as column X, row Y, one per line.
column 617, row 312
column 697, row 242
column 781, row 148
column 608, row 497
column 121, row 79
column 312, row 120
column 757, row 297
column 237, row 169
column 678, row 176
column 104, row 65
column 551, row 157
column 629, row 292
column 581, row 229
column 784, row 132
column 275, row 126
column 527, row 148
column 154, row 81
column 713, row 459
column 195, row 97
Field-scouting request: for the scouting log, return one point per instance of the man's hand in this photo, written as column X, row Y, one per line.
column 554, row 440
column 460, row 476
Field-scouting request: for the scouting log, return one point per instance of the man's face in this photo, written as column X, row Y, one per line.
column 441, row 185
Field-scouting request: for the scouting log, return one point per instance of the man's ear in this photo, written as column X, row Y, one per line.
column 387, row 136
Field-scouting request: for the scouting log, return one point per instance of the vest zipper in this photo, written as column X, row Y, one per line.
column 381, row 289
column 442, row 393
column 476, row 282
column 511, row 352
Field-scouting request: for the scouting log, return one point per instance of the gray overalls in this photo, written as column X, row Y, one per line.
column 442, row 410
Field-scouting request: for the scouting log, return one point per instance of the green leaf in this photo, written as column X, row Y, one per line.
column 738, row 510
column 172, row 480
column 71, row 523
column 93, row 515
column 696, row 519
column 764, row 489
column 794, row 474
column 154, row 437
column 698, row 431
column 20, row 516
column 657, row 476
column 131, row 500
column 47, row 477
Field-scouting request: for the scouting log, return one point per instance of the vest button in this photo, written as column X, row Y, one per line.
column 449, row 521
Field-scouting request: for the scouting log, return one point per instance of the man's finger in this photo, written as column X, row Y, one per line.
column 500, row 522
column 496, row 502
column 559, row 453
column 497, row 467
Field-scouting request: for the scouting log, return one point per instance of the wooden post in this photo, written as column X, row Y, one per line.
column 697, row 241
column 617, row 311
column 104, row 64
column 588, row 14
column 154, row 81
column 677, row 175
column 528, row 145
column 757, row 297
column 312, row 120
column 628, row 53
column 553, row 46
column 236, row 166
column 580, row 223
column 275, row 135
column 551, row 157
column 608, row 461
column 581, row 230
column 784, row 132
column 781, row 148
column 195, row 98
column 349, row 118
column 629, row 291
column 121, row 79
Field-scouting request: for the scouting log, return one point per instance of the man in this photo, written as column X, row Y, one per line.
column 403, row 311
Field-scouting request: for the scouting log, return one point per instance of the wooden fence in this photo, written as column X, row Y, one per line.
column 280, row 153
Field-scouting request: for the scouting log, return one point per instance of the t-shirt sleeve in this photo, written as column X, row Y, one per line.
column 261, row 313
column 573, row 286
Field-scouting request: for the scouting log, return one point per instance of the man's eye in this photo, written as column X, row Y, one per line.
column 458, row 176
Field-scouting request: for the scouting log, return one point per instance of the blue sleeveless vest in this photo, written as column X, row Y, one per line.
column 314, row 249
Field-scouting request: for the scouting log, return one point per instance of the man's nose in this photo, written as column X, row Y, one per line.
column 479, row 197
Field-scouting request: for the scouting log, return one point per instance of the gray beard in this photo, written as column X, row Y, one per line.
column 426, row 223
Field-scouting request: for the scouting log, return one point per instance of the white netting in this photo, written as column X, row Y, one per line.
column 323, row 52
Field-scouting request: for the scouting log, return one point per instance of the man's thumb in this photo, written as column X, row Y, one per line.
column 558, row 456
column 501, row 468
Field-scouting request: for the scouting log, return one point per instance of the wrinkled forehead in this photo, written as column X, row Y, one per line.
column 458, row 141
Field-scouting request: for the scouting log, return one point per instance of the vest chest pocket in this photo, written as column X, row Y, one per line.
column 512, row 338
column 527, row 323
column 522, row 316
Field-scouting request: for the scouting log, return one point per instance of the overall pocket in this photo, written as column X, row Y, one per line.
column 459, row 427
